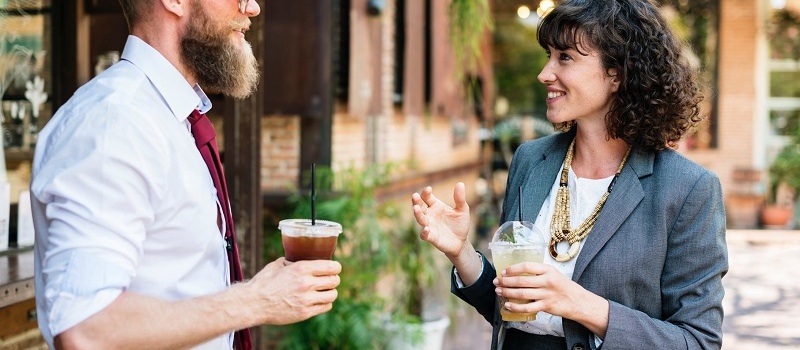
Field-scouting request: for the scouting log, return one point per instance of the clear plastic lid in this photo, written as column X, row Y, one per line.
column 303, row 227
column 517, row 232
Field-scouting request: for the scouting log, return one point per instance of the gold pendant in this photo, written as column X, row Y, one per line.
column 573, row 250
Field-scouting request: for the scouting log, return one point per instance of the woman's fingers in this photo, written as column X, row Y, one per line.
column 460, row 197
column 428, row 197
column 419, row 215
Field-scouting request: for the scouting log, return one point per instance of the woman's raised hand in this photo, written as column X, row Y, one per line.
column 444, row 227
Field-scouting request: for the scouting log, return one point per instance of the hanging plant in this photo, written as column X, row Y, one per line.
column 784, row 34
column 469, row 20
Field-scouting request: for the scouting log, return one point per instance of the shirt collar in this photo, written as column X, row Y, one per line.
column 205, row 104
column 179, row 96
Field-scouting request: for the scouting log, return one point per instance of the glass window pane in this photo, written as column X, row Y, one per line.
column 25, row 79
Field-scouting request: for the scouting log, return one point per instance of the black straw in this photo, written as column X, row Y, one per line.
column 519, row 203
column 313, row 195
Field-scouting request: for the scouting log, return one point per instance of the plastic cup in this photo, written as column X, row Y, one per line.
column 515, row 242
column 304, row 241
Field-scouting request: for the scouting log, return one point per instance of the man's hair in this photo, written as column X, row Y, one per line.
column 133, row 10
column 658, row 97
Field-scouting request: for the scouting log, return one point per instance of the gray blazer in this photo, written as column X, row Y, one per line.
column 657, row 251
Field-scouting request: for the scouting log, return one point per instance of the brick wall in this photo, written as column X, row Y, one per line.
column 349, row 142
column 740, row 92
column 371, row 128
column 426, row 144
column 737, row 90
column 280, row 152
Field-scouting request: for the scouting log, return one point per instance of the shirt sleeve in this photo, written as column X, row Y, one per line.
column 597, row 341
column 457, row 278
column 95, row 185
column 81, row 288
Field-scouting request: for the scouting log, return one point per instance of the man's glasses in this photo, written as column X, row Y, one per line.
column 243, row 5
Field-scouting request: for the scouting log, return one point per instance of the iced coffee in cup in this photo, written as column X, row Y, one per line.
column 515, row 242
column 304, row 241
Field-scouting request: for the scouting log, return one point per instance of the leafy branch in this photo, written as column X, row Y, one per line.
column 469, row 20
column 784, row 29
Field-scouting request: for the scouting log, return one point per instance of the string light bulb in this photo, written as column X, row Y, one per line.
column 523, row 12
column 544, row 7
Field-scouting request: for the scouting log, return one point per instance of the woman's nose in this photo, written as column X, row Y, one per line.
column 546, row 75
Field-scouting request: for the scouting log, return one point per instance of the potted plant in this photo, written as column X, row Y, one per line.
column 363, row 249
column 415, row 270
column 784, row 187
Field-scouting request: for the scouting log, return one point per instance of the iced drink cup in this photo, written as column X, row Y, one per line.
column 304, row 241
column 513, row 243
column 505, row 254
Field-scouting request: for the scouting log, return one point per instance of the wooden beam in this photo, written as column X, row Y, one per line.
column 243, row 165
column 316, row 125
column 405, row 186
column 414, row 73
column 64, row 48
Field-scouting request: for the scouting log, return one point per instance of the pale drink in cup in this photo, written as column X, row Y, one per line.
column 513, row 243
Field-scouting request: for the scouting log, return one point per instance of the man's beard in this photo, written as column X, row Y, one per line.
column 216, row 61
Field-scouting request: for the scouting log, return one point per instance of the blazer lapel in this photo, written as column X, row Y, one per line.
column 537, row 184
column 625, row 196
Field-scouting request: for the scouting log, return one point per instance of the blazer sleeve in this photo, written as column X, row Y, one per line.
column 480, row 294
column 691, row 281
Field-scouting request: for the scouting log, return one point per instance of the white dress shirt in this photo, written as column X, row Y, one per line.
column 121, row 197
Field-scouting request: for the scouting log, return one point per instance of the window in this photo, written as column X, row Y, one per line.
column 399, row 50
column 341, row 47
column 25, row 75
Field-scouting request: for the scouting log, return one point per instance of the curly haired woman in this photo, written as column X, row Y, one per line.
column 636, row 231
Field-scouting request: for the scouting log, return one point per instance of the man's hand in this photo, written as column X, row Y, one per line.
column 291, row 293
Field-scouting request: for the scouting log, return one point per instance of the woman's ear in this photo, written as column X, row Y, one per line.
column 615, row 79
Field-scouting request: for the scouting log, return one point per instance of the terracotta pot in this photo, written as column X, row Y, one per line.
column 776, row 216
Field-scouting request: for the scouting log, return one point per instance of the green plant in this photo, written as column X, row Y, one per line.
column 508, row 133
column 469, row 20
column 363, row 249
column 784, row 31
column 785, row 169
column 415, row 268
column 516, row 70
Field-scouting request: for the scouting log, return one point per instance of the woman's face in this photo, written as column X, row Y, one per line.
column 578, row 87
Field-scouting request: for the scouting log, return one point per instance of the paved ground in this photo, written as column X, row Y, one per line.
column 762, row 301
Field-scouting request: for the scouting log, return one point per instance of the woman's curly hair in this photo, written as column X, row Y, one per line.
column 658, row 97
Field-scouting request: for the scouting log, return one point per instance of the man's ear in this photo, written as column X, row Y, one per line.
column 177, row 7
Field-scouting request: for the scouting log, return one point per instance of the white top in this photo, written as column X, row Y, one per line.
column 583, row 195
column 121, row 197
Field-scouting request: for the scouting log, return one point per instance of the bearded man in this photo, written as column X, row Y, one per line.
column 134, row 238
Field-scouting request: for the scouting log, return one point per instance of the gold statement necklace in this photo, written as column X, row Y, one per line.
column 560, row 226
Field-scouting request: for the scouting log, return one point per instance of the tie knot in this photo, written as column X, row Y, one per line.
column 202, row 128
column 194, row 116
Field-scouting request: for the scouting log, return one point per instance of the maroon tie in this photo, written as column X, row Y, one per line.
column 204, row 138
